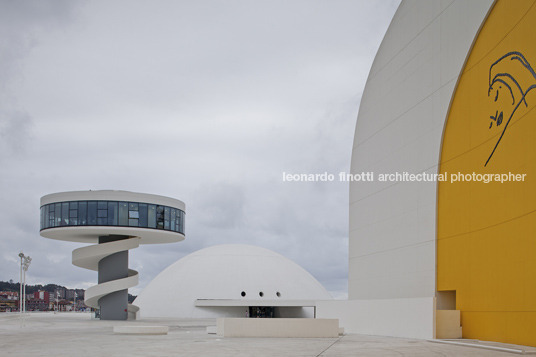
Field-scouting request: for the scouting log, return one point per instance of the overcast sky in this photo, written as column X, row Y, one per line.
column 208, row 102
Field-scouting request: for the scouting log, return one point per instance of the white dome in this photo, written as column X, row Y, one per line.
column 224, row 272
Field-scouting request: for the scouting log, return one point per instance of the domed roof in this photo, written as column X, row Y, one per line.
column 230, row 271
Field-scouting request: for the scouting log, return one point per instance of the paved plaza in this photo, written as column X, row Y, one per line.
column 76, row 334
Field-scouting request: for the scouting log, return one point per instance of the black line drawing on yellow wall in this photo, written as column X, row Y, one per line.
column 511, row 78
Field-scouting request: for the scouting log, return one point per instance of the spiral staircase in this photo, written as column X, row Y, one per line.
column 89, row 258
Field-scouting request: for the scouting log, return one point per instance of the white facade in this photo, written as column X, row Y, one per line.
column 234, row 274
column 392, row 248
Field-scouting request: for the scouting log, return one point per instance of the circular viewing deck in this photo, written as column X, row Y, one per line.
column 84, row 216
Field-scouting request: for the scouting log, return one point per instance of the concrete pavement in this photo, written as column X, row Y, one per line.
column 75, row 334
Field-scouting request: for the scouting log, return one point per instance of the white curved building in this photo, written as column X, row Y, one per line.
column 450, row 93
column 226, row 281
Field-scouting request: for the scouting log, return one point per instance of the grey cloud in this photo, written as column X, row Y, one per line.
column 20, row 21
column 205, row 101
column 219, row 205
column 15, row 131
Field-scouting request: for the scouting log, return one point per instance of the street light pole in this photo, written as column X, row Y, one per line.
column 26, row 265
column 21, row 255
column 24, row 292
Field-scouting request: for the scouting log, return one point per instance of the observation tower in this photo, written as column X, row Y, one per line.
column 116, row 221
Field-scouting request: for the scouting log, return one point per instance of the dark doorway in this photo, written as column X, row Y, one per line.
column 261, row 311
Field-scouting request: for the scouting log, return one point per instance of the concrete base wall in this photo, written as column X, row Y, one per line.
column 411, row 317
column 294, row 312
column 315, row 328
column 448, row 324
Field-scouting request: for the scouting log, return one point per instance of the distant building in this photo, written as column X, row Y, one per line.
column 63, row 305
column 42, row 295
column 60, row 293
column 9, row 295
column 9, row 301
column 38, row 302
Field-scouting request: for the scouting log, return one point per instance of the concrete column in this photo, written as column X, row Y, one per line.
column 115, row 266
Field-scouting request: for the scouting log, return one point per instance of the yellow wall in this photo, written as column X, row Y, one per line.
column 486, row 248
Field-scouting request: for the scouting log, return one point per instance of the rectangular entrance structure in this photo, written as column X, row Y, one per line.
column 244, row 327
